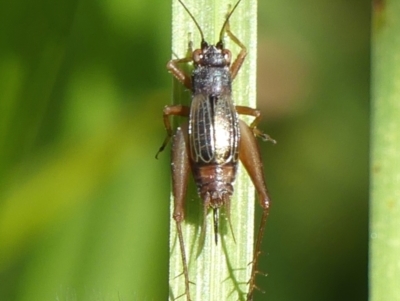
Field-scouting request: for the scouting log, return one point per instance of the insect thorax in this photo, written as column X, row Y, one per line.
column 211, row 80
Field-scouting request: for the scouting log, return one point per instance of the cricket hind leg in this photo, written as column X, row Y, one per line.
column 180, row 168
column 250, row 157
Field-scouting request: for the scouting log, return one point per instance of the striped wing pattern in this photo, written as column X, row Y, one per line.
column 213, row 129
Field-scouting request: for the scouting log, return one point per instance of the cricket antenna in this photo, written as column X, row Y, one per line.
column 194, row 20
column 221, row 35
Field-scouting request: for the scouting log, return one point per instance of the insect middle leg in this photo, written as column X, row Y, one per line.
column 243, row 110
column 175, row 110
column 251, row 160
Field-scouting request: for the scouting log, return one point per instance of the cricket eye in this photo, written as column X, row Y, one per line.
column 227, row 56
column 197, row 55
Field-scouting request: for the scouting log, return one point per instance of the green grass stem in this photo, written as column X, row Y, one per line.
column 385, row 154
column 219, row 272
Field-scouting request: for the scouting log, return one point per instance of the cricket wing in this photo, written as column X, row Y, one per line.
column 213, row 129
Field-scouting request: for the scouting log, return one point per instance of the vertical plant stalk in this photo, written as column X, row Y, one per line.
column 385, row 154
column 219, row 272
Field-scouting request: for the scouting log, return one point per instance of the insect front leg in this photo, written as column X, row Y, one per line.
column 180, row 168
column 176, row 110
column 180, row 75
column 235, row 67
column 243, row 110
column 249, row 155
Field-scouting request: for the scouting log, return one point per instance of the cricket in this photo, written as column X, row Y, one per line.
column 210, row 144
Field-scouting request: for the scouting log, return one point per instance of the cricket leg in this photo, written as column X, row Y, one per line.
column 174, row 110
column 235, row 67
column 180, row 169
column 180, row 75
column 249, row 155
column 243, row 110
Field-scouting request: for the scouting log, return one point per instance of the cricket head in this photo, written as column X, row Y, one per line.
column 212, row 55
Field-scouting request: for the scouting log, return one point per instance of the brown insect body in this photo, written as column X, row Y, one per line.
column 213, row 140
column 214, row 133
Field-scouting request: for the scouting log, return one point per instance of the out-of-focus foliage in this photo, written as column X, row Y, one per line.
column 84, row 204
column 314, row 92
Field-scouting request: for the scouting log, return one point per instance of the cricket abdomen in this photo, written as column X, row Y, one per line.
column 215, row 183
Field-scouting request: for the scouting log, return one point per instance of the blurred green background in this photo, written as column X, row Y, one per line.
column 84, row 206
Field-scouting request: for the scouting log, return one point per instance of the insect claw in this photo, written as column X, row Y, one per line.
column 159, row 151
column 266, row 137
column 165, row 143
column 263, row 136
